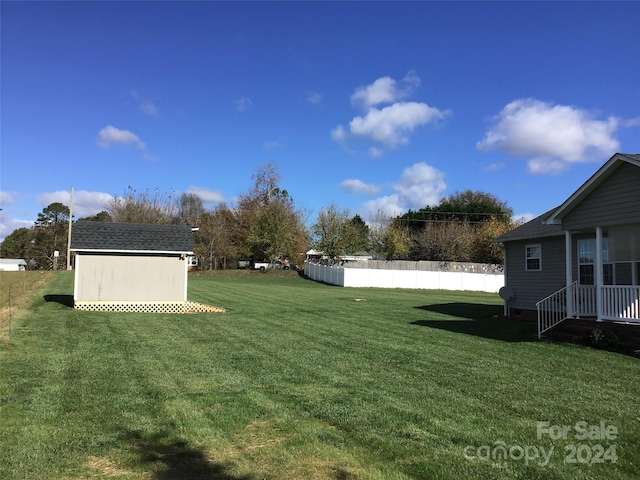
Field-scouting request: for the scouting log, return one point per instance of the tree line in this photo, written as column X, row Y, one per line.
column 461, row 228
column 265, row 225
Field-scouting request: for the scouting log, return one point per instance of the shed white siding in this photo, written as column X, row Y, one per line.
column 130, row 278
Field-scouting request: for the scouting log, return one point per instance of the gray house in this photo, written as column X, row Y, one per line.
column 581, row 259
column 130, row 267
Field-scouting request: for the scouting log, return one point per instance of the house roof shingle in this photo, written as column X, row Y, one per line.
column 120, row 237
column 536, row 228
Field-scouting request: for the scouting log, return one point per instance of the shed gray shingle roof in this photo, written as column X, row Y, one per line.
column 118, row 237
column 535, row 228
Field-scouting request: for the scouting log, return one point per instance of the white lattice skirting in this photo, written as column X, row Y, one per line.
column 147, row 307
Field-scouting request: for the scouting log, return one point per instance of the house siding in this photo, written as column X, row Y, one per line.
column 530, row 287
column 130, row 278
column 615, row 202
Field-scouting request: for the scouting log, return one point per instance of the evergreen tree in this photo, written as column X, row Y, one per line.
column 16, row 244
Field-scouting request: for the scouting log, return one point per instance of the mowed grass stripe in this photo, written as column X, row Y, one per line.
column 299, row 380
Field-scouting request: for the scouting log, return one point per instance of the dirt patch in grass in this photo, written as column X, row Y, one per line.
column 256, row 436
column 106, row 467
column 278, row 452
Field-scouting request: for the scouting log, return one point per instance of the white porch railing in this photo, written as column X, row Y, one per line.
column 621, row 303
column 554, row 309
column 584, row 304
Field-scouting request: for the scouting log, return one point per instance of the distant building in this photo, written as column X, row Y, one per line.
column 12, row 264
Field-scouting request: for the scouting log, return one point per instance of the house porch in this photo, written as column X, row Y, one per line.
column 615, row 303
column 602, row 278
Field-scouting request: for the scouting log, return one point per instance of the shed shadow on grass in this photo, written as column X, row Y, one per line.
column 66, row 300
column 479, row 320
column 169, row 458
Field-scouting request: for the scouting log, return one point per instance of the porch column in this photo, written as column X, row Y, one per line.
column 569, row 274
column 507, row 312
column 598, row 274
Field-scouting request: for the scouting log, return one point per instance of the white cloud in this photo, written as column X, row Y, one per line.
column 314, row 98
column 375, row 152
column 523, row 217
column 412, row 79
column 545, row 165
column 243, row 104
column 111, row 136
column 390, row 125
column 9, row 224
column 383, row 90
column 354, row 185
column 419, row 185
column 550, row 136
column 632, row 122
column 387, row 206
column 492, row 167
column 85, row 203
column 145, row 105
column 207, row 195
column 339, row 134
column 6, row 198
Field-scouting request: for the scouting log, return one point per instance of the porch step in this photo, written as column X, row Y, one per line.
column 608, row 335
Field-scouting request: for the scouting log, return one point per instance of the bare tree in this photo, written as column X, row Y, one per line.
column 266, row 179
column 443, row 241
column 189, row 209
column 142, row 207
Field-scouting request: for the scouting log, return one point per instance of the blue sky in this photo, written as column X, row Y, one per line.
column 371, row 106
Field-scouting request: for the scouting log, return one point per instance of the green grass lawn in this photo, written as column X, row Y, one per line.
column 18, row 287
column 299, row 380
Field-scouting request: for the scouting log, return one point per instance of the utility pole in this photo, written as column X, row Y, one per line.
column 69, row 234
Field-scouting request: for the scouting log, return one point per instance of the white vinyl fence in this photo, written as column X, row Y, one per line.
column 419, row 279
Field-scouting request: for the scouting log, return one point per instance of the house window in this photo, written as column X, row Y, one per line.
column 587, row 260
column 533, row 257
